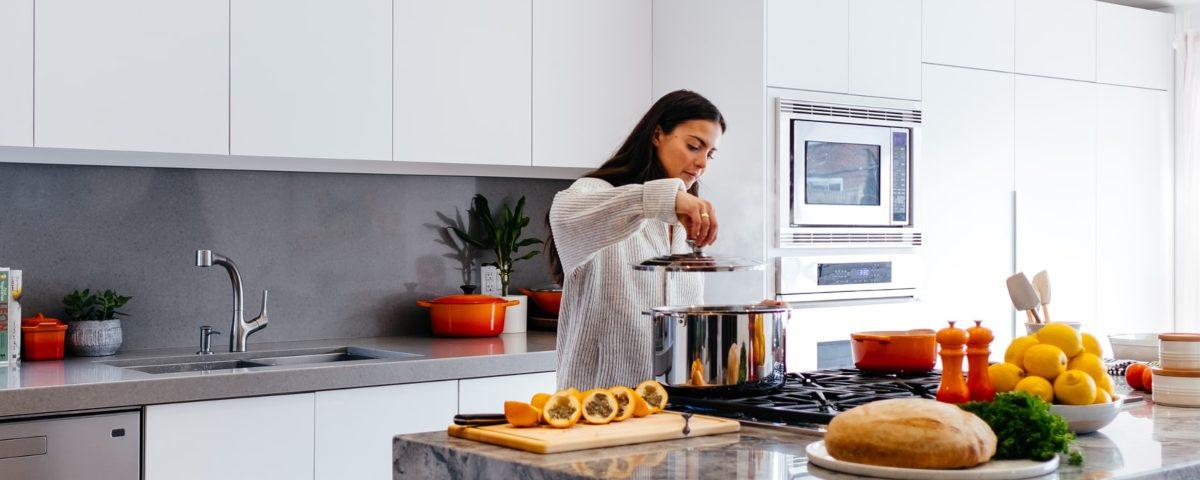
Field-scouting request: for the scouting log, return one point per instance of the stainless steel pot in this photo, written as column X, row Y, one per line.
column 719, row 349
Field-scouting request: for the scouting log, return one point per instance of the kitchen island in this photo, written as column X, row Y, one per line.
column 1145, row 441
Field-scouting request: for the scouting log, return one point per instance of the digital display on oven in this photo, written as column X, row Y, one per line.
column 854, row 273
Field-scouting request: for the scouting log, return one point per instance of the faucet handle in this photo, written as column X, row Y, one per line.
column 260, row 321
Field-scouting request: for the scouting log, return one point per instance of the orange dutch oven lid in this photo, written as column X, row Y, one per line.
column 474, row 299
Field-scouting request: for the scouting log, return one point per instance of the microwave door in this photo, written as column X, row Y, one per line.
column 841, row 174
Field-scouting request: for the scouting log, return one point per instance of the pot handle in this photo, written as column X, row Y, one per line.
column 424, row 303
column 858, row 337
column 511, row 303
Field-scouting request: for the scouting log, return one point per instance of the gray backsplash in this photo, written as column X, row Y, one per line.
column 344, row 255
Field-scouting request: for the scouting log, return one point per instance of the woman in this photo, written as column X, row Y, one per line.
column 629, row 210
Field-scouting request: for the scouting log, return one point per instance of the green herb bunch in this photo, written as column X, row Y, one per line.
column 1024, row 426
column 86, row 305
column 501, row 234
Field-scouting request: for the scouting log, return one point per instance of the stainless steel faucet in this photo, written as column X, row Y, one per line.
column 240, row 328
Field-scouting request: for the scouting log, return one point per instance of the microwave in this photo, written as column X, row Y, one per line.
column 845, row 166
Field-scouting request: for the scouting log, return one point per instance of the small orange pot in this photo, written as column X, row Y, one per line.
column 912, row 351
column 42, row 338
column 467, row 315
column 547, row 299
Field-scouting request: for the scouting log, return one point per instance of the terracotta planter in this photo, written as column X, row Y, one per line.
column 467, row 315
column 94, row 338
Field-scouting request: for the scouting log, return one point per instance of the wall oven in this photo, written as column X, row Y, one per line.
column 845, row 166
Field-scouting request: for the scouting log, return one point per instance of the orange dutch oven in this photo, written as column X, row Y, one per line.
column 467, row 315
column 912, row 351
column 547, row 299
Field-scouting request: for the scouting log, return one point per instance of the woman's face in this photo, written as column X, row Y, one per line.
column 686, row 150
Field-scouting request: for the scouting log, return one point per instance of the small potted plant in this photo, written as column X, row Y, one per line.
column 93, row 329
column 501, row 235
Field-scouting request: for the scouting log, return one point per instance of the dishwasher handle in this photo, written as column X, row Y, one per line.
column 22, row 447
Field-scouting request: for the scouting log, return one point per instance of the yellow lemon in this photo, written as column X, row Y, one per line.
column 1062, row 336
column 1037, row 386
column 1102, row 397
column 1005, row 376
column 1091, row 345
column 1074, row 387
column 1044, row 360
column 1015, row 353
column 1088, row 363
column 1105, row 383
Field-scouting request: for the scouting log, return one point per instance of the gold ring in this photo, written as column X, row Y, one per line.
column 704, row 215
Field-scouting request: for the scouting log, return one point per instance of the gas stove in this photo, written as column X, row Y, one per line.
column 809, row 400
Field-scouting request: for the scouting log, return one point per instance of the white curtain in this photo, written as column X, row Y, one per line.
column 1187, row 184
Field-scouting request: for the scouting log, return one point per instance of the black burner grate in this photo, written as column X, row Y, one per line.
column 813, row 397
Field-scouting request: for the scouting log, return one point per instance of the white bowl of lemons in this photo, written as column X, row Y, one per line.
column 1089, row 418
column 1063, row 367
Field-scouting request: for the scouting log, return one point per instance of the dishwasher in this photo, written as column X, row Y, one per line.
column 103, row 446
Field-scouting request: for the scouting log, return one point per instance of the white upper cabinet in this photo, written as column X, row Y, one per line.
column 463, row 82
column 591, row 78
column 969, row 33
column 1135, row 195
column 1056, row 38
column 16, row 76
column 885, row 48
column 807, row 44
column 1056, row 191
column 354, row 428
column 1133, row 46
column 258, row 438
column 311, row 78
column 142, row 75
column 966, row 172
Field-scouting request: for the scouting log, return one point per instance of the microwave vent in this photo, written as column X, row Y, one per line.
column 850, row 239
column 849, row 112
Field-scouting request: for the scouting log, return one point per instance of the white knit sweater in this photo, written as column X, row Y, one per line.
column 601, row 232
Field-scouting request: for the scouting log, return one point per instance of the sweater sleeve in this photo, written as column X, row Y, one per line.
column 592, row 214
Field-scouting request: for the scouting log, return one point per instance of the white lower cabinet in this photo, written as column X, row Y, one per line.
column 259, row 438
column 354, row 428
column 487, row 395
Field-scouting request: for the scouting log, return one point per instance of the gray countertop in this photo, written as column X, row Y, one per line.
column 39, row 387
column 1145, row 441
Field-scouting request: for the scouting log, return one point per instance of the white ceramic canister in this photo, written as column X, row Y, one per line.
column 514, row 316
column 1179, row 351
column 1176, row 388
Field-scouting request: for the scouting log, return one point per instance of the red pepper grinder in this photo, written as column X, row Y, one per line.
column 953, row 388
column 978, row 381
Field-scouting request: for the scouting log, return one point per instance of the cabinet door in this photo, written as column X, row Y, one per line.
column 968, row 33
column 1133, row 46
column 808, row 44
column 256, row 438
column 885, row 48
column 144, row 75
column 1135, row 174
column 591, row 78
column 463, row 80
column 311, row 78
column 1056, row 38
column 16, row 77
column 965, row 201
column 1056, row 191
column 487, row 395
column 354, row 428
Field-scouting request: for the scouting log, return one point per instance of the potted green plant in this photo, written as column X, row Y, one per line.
column 93, row 329
column 500, row 233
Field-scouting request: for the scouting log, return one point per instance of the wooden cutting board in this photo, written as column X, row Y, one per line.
column 543, row 439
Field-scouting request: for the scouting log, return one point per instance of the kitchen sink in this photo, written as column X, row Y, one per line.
column 193, row 363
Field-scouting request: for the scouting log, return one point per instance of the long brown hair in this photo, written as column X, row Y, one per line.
column 636, row 161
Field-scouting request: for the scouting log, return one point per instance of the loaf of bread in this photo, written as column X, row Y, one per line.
column 910, row 433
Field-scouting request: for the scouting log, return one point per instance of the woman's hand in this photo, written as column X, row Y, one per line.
column 698, row 218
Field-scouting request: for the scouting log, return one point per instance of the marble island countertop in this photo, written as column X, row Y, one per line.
column 1144, row 441
column 78, row 383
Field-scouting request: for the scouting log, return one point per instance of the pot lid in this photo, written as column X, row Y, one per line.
column 473, row 299
column 697, row 261
column 717, row 309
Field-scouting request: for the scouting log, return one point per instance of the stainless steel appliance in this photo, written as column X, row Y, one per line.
column 96, row 446
column 720, row 349
column 852, row 275
column 844, row 166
